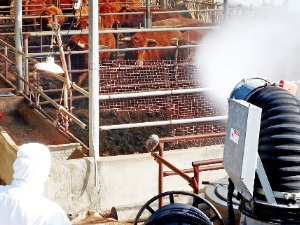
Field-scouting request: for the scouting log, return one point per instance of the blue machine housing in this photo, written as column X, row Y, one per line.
column 246, row 87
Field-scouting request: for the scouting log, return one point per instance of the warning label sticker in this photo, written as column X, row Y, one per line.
column 234, row 135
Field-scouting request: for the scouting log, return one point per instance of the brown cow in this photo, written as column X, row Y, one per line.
column 190, row 37
column 108, row 21
column 105, row 21
column 180, row 22
column 50, row 11
column 31, row 8
column 64, row 5
column 80, row 42
column 137, row 20
column 38, row 8
column 152, row 39
column 127, row 2
column 34, row 7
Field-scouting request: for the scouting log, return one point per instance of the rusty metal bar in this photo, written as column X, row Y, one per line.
column 205, row 165
column 160, row 174
column 34, row 61
column 191, row 137
column 17, row 51
column 171, row 173
column 12, row 86
column 194, row 180
column 191, row 170
column 59, row 107
column 160, row 159
column 4, row 56
column 199, row 166
column 207, row 162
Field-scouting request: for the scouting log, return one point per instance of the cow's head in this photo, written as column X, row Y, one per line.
column 106, row 20
column 139, row 42
column 148, row 54
column 125, row 19
column 51, row 12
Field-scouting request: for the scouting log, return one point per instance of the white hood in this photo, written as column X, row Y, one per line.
column 32, row 164
column 32, row 167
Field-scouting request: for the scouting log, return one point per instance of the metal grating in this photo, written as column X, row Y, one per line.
column 119, row 76
column 123, row 77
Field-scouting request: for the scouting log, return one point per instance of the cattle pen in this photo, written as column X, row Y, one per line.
column 122, row 81
column 136, row 99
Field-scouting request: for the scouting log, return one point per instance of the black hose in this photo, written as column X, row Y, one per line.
column 176, row 214
column 279, row 139
column 231, row 216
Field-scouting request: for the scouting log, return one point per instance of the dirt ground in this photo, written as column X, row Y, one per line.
column 92, row 217
column 106, row 223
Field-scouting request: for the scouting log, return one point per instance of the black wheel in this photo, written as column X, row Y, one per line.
column 180, row 213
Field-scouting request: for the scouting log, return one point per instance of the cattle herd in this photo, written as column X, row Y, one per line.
column 117, row 15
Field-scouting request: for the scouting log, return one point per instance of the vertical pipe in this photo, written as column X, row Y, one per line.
column 213, row 12
column 5, row 62
column 118, row 42
column 26, row 89
column 69, row 67
column 148, row 15
column 94, row 89
column 36, row 83
column 69, row 64
column 160, row 174
column 225, row 10
column 196, row 177
column 18, row 43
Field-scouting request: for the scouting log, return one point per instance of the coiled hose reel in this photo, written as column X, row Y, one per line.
column 176, row 213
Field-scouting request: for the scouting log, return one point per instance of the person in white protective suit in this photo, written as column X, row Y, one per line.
column 22, row 202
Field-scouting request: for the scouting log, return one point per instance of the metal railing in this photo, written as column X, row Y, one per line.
column 34, row 89
column 198, row 166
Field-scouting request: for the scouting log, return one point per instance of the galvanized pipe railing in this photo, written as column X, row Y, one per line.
column 63, row 110
column 165, row 122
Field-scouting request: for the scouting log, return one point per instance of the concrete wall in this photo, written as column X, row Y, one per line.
column 124, row 182
column 8, row 149
column 8, row 153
